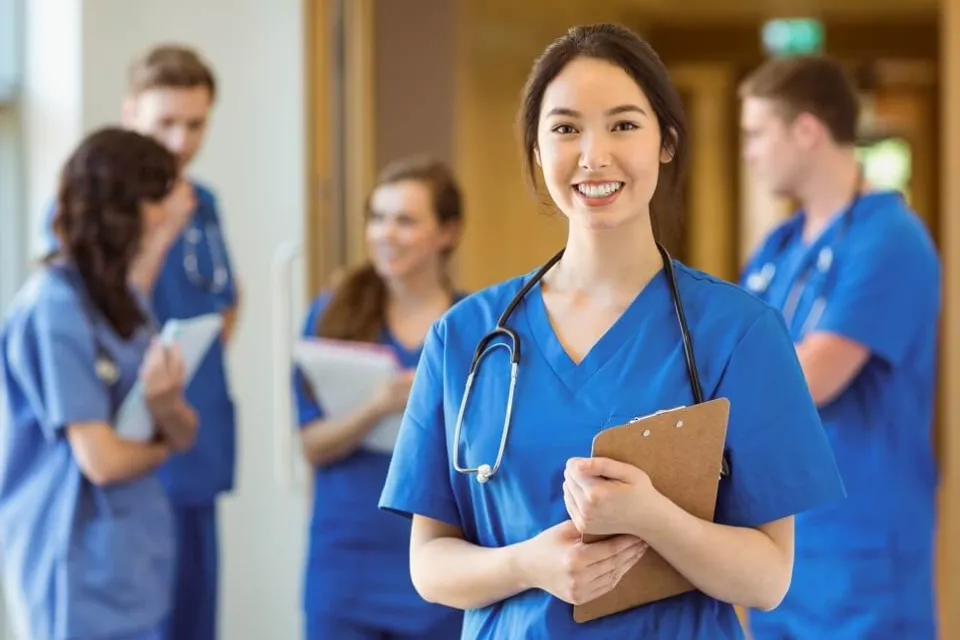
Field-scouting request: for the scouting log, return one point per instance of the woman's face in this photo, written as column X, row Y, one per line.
column 599, row 145
column 404, row 237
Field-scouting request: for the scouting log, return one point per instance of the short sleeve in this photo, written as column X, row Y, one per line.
column 307, row 406
column 781, row 462
column 418, row 481
column 884, row 290
column 57, row 354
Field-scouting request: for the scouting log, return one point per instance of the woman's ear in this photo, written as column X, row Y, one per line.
column 536, row 156
column 669, row 147
column 450, row 233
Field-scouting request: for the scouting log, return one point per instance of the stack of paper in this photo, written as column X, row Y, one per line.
column 344, row 376
column 194, row 337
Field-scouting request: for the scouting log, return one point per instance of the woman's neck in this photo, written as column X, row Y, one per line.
column 424, row 289
column 414, row 304
column 833, row 184
column 608, row 262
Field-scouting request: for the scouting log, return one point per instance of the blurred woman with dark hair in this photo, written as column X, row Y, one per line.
column 86, row 534
column 357, row 579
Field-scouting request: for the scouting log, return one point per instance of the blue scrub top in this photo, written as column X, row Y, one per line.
column 79, row 560
column 358, row 559
column 196, row 477
column 882, row 291
column 780, row 461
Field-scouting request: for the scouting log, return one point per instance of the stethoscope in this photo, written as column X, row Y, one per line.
column 760, row 280
column 193, row 237
column 105, row 365
column 484, row 472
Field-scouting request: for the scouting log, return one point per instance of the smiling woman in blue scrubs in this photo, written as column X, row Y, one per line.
column 357, row 579
column 170, row 95
column 600, row 345
column 858, row 279
column 86, row 531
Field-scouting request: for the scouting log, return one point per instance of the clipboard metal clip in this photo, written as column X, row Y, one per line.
column 724, row 465
column 656, row 413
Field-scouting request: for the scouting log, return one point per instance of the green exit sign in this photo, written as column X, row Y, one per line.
column 791, row 36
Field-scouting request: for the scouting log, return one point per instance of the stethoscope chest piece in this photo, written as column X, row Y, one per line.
column 484, row 472
column 759, row 280
column 824, row 259
column 107, row 370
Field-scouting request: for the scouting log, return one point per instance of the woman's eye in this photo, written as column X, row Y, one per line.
column 563, row 129
column 625, row 126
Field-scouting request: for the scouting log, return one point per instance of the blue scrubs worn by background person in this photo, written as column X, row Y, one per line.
column 603, row 332
column 86, row 530
column 857, row 278
column 170, row 96
column 358, row 584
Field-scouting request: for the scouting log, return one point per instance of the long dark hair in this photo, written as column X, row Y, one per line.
column 619, row 46
column 358, row 306
column 98, row 221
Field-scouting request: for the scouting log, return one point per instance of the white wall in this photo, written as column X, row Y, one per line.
column 77, row 54
column 52, row 85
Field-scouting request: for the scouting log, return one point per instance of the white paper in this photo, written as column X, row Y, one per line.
column 344, row 376
column 194, row 337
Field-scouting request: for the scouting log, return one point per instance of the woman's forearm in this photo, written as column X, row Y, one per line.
column 328, row 441
column 738, row 565
column 177, row 423
column 459, row 574
column 105, row 459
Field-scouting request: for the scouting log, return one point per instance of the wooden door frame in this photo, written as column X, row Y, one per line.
column 711, row 213
column 359, row 121
column 949, row 353
column 340, row 80
column 320, row 224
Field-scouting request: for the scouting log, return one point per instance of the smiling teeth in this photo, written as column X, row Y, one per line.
column 599, row 190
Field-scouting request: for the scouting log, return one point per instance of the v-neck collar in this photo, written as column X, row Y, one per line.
column 575, row 375
column 410, row 355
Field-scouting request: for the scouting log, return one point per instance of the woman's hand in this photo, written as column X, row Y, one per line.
column 163, row 375
column 558, row 562
column 605, row 497
column 393, row 395
column 179, row 204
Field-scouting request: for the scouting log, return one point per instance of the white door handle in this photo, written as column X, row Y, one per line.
column 283, row 332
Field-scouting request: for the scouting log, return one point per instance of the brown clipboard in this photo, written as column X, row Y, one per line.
column 682, row 452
